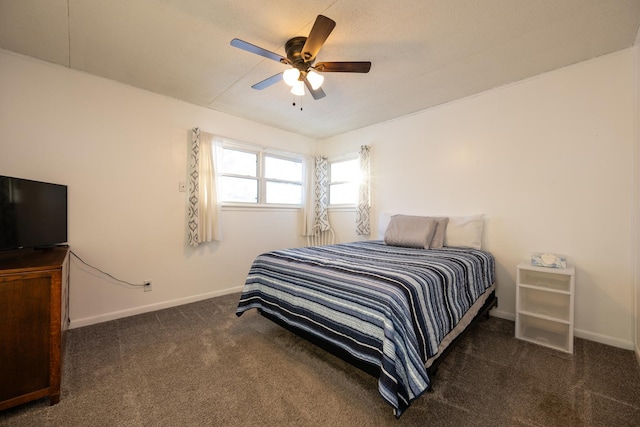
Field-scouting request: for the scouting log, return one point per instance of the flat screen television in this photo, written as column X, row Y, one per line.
column 33, row 214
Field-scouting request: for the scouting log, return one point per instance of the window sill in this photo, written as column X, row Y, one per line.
column 259, row 208
column 343, row 208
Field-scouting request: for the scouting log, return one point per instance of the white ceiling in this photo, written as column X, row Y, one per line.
column 423, row 52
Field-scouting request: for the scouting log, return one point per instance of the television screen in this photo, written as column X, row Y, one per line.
column 32, row 213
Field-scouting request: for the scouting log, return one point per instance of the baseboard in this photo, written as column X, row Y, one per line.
column 78, row 323
column 603, row 339
column 591, row 336
column 503, row 315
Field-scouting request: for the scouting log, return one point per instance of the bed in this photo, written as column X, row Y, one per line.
column 393, row 311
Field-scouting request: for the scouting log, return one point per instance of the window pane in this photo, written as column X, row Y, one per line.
column 238, row 189
column 341, row 194
column 278, row 192
column 348, row 170
column 239, row 162
column 287, row 170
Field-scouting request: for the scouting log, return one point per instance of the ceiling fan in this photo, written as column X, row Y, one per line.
column 301, row 55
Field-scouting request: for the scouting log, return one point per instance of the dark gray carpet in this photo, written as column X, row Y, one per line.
column 200, row 365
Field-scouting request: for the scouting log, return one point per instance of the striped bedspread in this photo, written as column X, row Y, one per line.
column 388, row 306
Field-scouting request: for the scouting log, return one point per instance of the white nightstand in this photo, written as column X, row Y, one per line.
column 544, row 305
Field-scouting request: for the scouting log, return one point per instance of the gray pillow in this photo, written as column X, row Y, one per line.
column 437, row 241
column 410, row 231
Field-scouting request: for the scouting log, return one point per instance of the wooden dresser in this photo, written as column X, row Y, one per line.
column 34, row 307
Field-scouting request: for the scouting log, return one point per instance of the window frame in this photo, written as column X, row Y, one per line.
column 261, row 153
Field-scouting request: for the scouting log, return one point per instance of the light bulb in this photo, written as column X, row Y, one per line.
column 315, row 79
column 298, row 88
column 291, row 76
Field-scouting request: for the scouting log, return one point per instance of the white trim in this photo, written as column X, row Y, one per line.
column 591, row 336
column 603, row 339
column 342, row 208
column 343, row 157
column 78, row 323
column 234, row 144
column 259, row 207
column 503, row 315
column 241, row 145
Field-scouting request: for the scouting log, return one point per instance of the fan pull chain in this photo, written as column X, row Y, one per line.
column 294, row 102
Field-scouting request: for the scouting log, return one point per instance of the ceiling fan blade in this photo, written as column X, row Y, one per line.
column 318, row 35
column 268, row 82
column 241, row 44
column 343, row 67
column 317, row 93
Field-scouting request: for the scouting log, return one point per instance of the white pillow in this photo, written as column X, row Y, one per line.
column 383, row 223
column 464, row 232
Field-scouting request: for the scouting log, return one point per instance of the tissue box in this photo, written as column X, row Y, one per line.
column 541, row 259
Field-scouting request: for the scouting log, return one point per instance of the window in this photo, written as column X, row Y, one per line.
column 344, row 180
column 253, row 176
column 283, row 179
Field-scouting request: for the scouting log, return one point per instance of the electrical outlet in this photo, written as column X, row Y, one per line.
column 147, row 286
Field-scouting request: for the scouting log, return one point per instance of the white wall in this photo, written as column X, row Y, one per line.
column 122, row 152
column 549, row 161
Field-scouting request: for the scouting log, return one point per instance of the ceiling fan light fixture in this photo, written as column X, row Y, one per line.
column 315, row 79
column 291, row 76
column 301, row 53
column 298, row 88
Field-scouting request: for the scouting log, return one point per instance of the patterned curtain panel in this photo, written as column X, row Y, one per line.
column 203, row 221
column 364, row 193
column 322, row 193
column 308, row 202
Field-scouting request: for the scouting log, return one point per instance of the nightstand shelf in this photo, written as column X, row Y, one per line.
column 544, row 305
